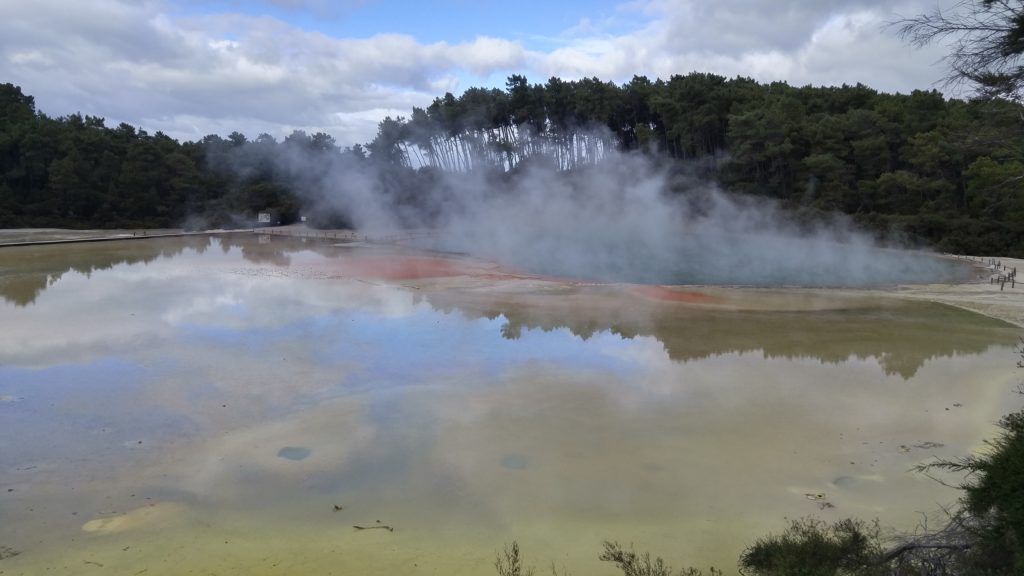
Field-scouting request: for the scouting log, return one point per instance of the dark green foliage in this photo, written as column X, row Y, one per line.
column 986, row 40
column 75, row 172
column 810, row 547
column 994, row 500
column 937, row 172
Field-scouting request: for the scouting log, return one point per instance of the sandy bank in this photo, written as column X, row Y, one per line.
column 982, row 295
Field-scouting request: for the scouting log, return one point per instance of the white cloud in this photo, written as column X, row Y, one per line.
column 190, row 76
column 145, row 63
column 828, row 42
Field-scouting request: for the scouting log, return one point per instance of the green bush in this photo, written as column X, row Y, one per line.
column 811, row 547
column 993, row 501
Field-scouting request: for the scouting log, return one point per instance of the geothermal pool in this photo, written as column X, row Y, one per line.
column 236, row 405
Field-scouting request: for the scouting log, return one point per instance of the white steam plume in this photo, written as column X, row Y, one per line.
column 626, row 218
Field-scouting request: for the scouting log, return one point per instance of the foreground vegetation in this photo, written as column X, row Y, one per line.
column 942, row 172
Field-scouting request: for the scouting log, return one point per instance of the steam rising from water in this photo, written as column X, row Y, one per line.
column 625, row 219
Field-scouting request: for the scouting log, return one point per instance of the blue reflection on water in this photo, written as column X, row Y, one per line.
column 422, row 346
column 78, row 409
column 427, row 347
column 71, row 384
column 431, row 343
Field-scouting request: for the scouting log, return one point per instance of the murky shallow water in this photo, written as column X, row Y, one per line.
column 203, row 405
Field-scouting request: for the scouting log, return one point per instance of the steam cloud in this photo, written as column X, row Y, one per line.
column 627, row 218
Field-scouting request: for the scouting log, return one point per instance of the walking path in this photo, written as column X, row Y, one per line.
column 76, row 240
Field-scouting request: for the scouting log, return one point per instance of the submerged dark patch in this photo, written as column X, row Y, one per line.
column 514, row 462
column 294, row 453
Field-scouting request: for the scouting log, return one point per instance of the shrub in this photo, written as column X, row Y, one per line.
column 811, row 547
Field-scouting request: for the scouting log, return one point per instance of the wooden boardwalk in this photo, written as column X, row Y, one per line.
column 1000, row 272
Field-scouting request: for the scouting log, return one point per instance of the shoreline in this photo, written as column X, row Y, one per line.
column 1002, row 301
column 16, row 237
column 981, row 295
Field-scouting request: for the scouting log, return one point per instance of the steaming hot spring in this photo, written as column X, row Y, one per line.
column 316, row 405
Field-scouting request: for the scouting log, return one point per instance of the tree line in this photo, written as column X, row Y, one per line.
column 76, row 172
column 945, row 172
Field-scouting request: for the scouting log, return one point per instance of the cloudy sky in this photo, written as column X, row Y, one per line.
column 192, row 67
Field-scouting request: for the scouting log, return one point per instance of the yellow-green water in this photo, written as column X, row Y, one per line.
column 201, row 406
